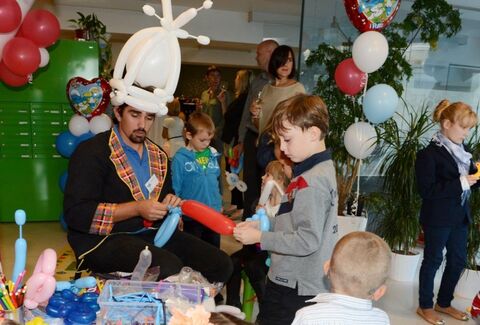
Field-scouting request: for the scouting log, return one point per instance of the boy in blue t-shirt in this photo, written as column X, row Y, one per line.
column 195, row 173
column 304, row 231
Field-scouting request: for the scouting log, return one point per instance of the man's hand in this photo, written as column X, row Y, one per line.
column 151, row 209
column 172, row 200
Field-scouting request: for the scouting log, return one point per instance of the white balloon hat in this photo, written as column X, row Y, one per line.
column 152, row 59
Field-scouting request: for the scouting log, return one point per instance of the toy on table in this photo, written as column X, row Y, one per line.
column 72, row 304
column 142, row 266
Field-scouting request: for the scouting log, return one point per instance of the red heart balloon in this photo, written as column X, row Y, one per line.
column 88, row 97
column 368, row 15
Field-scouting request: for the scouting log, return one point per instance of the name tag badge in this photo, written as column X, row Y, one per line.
column 151, row 183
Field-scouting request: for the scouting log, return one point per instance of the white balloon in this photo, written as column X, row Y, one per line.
column 44, row 57
column 151, row 58
column 360, row 139
column 369, row 51
column 78, row 125
column 100, row 123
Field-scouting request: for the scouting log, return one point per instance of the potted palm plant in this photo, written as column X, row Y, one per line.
column 399, row 202
column 90, row 28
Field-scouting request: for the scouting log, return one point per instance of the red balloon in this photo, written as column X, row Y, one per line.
column 350, row 79
column 41, row 27
column 88, row 97
column 368, row 15
column 21, row 56
column 10, row 15
column 208, row 217
column 10, row 78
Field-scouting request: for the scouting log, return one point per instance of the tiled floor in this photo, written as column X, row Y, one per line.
column 400, row 301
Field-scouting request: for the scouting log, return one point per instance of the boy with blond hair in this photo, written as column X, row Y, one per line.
column 304, row 231
column 357, row 271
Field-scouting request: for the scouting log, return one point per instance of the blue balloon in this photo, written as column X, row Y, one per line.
column 84, row 137
column 66, row 143
column 20, row 258
column 62, row 182
column 261, row 215
column 20, row 246
column 168, row 227
column 380, row 103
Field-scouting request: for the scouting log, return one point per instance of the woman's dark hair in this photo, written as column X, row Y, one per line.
column 279, row 58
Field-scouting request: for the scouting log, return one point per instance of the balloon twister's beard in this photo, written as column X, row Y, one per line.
column 138, row 136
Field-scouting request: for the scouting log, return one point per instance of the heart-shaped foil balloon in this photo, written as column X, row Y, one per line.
column 88, row 97
column 368, row 15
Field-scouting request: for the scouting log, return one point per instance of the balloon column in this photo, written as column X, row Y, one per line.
column 369, row 52
column 24, row 37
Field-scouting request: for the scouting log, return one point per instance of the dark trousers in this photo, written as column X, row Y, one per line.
column 280, row 304
column 121, row 253
column 436, row 239
column 200, row 231
column 252, row 261
column 237, row 196
column 251, row 174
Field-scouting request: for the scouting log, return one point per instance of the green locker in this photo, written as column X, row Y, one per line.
column 30, row 119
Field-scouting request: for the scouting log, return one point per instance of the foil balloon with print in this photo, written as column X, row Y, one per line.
column 368, row 15
column 88, row 98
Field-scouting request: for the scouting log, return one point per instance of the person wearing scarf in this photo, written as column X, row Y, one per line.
column 445, row 177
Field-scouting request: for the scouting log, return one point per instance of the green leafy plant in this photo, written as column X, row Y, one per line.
column 90, row 28
column 427, row 20
column 399, row 203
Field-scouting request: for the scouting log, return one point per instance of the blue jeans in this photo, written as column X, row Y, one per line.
column 436, row 239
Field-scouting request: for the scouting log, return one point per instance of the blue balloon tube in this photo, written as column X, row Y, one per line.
column 20, row 258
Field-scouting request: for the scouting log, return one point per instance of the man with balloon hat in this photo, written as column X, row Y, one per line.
column 119, row 185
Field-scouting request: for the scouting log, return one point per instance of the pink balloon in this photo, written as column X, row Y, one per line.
column 10, row 15
column 41, row 27
column 21, row 56
column 350, row 79
column 10, row 78
column 41, row 285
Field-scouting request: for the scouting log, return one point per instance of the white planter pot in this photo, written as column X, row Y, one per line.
column 468, row 285
column 404, row 267
column 347, row 224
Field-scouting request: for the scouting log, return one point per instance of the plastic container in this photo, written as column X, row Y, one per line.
column 141, row 302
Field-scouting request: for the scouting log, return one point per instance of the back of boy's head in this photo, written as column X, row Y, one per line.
column 199, row 121
column 174, row 107
column 359, row 265
column 276, row 169
column 303, row 111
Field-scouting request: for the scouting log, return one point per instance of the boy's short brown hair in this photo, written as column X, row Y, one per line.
column 199, row 121
column 359, row 265
column 303, row 111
